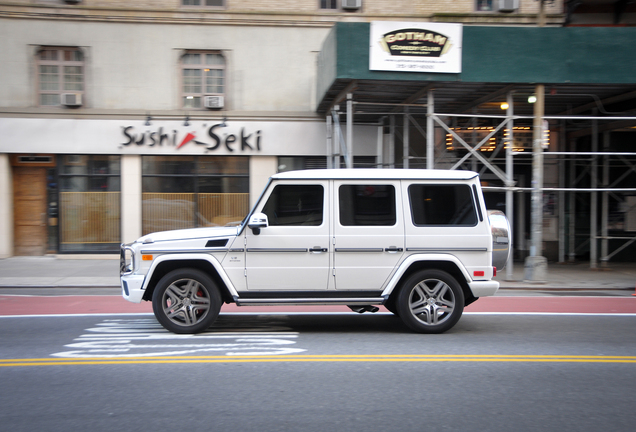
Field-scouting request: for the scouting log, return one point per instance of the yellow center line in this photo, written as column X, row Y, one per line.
column 318, row 358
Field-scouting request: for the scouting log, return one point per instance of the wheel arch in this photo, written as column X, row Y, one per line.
column 447, row 265
column 164, row 266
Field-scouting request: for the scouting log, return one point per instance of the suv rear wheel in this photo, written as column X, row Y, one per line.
column 186, row 301
column 430, row 301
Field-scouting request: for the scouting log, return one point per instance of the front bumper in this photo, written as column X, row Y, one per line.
column 132, row 287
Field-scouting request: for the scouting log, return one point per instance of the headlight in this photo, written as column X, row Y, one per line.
column 126, row 260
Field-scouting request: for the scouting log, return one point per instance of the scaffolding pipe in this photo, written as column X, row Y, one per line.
column 575, row 153
column 337, row 139
column 572, row 212
column 510, row 181
column 548, row 117
column 380, row 146
column 473, row 141
column 349, row 141
column 520, row 239
column 430, row 132
column 329, row 142
column 557, row 189
column 535, row 265
column 561, row 203
column 405, row 140
column 594, row 199
column 605, row 203
column 392, row 142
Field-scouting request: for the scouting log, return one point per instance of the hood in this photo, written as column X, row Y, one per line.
column 192, row 233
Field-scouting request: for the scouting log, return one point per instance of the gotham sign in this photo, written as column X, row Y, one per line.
column 210, row 138
column 415, row 42
column 415, row 47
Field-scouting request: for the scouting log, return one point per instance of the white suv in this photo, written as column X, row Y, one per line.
column 419, row 242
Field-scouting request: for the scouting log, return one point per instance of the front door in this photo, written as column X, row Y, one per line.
column 29, row 204
column 292, row 253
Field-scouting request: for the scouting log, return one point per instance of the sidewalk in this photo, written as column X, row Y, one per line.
column 60, row 272
column 103, row 272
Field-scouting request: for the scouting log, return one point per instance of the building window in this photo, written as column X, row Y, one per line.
column 328, row 4
column 60, row 70
column 203, row 75
column 484, row 5
column 193, row 191
column 204, row 3
column 89, row 203
column 294, row 163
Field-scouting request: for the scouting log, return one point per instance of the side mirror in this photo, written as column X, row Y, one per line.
column 258, row 221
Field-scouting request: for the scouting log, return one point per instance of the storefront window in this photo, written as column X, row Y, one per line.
column 293, row 163
column 193, row 191
column 89, row 203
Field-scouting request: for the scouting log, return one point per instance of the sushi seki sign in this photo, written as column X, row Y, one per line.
column 415, row 47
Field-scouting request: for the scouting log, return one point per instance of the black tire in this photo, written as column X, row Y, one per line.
column 430, row 301
column 186, row 301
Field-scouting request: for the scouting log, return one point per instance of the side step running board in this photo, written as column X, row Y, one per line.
column 356, row 301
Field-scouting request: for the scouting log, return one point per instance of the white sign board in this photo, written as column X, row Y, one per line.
column 415, row 47
column 170, row 137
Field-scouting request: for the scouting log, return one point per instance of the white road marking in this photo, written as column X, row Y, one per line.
column 146, row 338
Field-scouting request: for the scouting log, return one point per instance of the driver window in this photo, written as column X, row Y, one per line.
column 295, row 205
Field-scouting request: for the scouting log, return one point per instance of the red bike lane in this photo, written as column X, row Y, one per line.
column 15, row 305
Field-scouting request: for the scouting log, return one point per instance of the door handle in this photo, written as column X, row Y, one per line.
column 393, row 249
column 317, row 249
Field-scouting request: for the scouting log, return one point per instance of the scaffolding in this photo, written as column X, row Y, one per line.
column 582, row 176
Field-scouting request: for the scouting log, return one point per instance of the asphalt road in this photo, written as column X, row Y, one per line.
column 494, row 371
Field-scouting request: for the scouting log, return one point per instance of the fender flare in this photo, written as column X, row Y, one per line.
column 412, row 259
column 191, row 257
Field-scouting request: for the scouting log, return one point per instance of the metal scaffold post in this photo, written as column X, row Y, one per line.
column 430, row 131
column 510, row 182
column 536, row 265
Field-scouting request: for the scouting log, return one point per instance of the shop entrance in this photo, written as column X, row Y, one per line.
column 30, row 202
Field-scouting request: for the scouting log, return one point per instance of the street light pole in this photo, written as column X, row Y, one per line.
column 536, row 265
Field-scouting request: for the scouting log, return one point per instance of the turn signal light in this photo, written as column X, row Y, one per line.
column 146, row 257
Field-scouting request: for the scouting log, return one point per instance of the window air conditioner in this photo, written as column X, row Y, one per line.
column 351, row 4
column 73, row 1
column 213, row 102
column 508, row 5
column 71, row 99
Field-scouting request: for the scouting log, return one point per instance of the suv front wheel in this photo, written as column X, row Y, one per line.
column 186, row 301
column 430, row 301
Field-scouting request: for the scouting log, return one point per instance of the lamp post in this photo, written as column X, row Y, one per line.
column 536, row 265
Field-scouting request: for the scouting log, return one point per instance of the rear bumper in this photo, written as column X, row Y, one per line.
column 483, row 288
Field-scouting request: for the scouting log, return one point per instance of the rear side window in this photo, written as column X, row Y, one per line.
column 442, row 205
column 367, row 205
column 295, row 205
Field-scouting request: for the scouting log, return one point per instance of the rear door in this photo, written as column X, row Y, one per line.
column 368, row 233
column 444, row 218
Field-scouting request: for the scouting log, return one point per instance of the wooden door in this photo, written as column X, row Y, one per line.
column 29, row 204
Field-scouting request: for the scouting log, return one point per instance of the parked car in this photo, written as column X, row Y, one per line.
column 419, row 242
